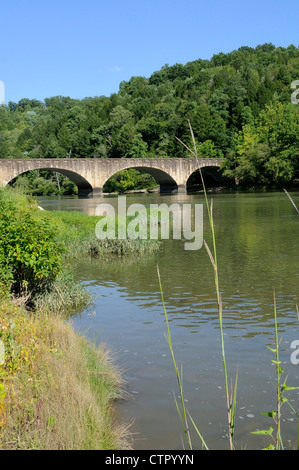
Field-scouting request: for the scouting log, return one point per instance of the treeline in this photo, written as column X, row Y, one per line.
column 239, row 105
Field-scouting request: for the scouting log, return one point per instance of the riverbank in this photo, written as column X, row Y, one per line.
column 56, row 389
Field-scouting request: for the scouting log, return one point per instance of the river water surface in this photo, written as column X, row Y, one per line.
column 258, row 251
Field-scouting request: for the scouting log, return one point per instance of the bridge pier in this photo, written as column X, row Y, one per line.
column 90, row 193
column 84, row 192
column 182, row 189
column 96, row 192
column 175, row 189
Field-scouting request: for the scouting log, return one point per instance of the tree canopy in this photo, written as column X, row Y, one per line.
column 239, row 105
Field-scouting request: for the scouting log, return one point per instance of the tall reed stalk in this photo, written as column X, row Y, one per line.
column 179, row 375
column 296, row 208
column 231, row 391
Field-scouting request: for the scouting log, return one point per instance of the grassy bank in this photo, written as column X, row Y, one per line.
column 56, row 389
column 76, row 231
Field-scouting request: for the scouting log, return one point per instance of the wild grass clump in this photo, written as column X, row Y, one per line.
column 77, row 231
column 65, row 297
column 58, row 390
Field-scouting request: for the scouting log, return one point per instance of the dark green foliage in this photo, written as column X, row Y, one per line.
column 221, row 97
column 266, row 152
column 46, row 183
column 30, row 257
column 130, row 179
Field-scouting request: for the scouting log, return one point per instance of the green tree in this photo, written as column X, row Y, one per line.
column 139, row 148
column 266, row 153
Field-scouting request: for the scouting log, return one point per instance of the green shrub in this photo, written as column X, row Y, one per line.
column 30, row 257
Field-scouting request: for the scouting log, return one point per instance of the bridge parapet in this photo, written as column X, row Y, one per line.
column 90, row 174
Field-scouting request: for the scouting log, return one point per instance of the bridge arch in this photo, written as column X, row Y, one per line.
column 84, row 186
column 212, row 177
column 165, row 180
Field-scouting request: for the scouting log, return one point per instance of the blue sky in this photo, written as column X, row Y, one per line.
column 86, row 48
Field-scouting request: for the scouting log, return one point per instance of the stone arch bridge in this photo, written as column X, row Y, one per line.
column 90, row 174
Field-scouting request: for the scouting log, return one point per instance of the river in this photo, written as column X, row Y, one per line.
column 258, row 251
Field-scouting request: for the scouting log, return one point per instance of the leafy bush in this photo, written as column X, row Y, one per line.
column 30, row 257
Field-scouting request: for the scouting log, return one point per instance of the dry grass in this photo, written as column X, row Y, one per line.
column 61, row 395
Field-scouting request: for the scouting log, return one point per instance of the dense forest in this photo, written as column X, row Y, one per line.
column 239, row 105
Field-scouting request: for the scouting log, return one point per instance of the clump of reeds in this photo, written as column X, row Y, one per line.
column 76, row 231
column 65, row 296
